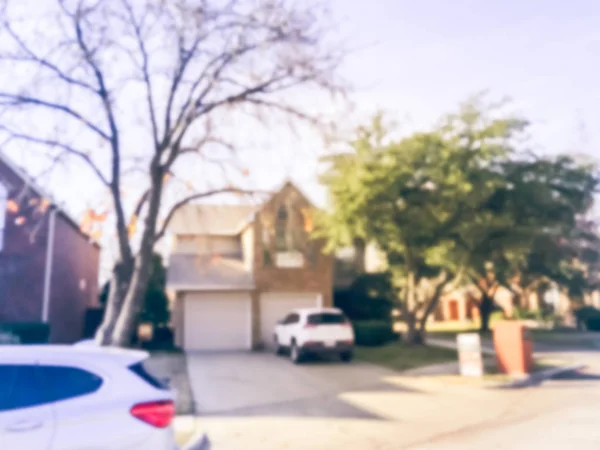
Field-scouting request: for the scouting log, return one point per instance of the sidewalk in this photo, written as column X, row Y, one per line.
column 487, row 347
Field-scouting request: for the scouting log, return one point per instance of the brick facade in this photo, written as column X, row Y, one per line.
column 315, row 277
column 23, row 265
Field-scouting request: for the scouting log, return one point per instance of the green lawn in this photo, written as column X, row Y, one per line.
column 398, row 356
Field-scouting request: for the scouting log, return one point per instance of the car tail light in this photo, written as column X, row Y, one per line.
column 346, row 324
column 309, row 325
column 159, row 414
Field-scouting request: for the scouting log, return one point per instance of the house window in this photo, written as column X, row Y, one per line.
column 281, row 229
column 3, row 200
column 266, row 245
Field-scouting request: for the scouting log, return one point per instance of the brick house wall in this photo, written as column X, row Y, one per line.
column 73, row 283
column 314, row 277
column 23, row 264
column 22, row 260
column 317, row 277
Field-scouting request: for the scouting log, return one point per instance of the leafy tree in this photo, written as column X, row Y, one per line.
column 531, row 238
column 410, row 197
column 460, row 202
column 133, row 92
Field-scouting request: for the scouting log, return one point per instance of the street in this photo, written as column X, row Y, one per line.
column 390, row 411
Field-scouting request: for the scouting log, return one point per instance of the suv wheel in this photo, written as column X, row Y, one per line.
column 346, row 356
column 278, row 348
column 295, row 354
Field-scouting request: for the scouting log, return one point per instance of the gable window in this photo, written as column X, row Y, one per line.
column 3, row 204
column 266, row 244
column 282, row 229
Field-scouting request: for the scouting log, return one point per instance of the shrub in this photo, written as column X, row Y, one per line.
column 28, row 332
column 368, row 298
column 589, row 317
column 593, row 324
column 373, row 332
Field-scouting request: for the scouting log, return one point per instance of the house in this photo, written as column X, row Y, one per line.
column 48, row 267
column 235, row 270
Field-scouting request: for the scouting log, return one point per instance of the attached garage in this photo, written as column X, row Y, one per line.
column 217, row 321
column 276, row 305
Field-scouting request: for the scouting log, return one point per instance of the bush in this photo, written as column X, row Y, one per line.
column 28, row 332
column 588, row 317
column 368, row 298
column 373, row 332
column 593, row 324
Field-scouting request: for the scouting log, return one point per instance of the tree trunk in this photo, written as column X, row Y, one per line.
column 132, row 305
column 132, row 302
column 119, row 285
column 486, row 306
column 414, row 333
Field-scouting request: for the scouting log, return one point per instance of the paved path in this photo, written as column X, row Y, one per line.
column 330, row 405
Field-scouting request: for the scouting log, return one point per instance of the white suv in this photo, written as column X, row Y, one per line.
column 315, row 331
column 63, row 397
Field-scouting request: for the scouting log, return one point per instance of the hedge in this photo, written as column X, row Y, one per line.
column 28, row 332
column 373, row 332
column 589, row 316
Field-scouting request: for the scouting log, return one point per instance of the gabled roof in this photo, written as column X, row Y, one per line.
column 219, row 220
column 29, row 181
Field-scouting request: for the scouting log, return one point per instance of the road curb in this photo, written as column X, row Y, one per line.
column 538, row 377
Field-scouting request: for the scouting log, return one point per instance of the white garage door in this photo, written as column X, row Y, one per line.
column 217, row 321
column 275, row 306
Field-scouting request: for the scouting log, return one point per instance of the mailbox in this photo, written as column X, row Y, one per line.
column 514, row 349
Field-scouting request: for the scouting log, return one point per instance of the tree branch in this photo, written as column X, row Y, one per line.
column 33, row 57
column 145, row 72
column 67, row 148
column 124, row 244
column 15, row 99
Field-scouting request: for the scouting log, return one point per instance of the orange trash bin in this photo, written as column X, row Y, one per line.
column 514, row 349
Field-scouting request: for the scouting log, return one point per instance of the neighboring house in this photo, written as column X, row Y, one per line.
column 235, row 270
column 48, row 267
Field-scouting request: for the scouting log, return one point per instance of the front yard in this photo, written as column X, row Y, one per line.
column 399, row 356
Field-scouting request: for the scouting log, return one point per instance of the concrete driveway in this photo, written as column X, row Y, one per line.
column 258, row 401
column 252, row 384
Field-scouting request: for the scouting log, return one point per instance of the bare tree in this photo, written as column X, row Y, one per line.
column 141, row 85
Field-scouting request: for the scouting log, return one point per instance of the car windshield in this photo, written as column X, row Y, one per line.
column 326, row 319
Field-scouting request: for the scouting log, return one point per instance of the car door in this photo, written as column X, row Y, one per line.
column 79, row 409
column 280, row 331
column 26, row 415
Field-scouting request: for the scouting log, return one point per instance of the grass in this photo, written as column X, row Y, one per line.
column 400, row 356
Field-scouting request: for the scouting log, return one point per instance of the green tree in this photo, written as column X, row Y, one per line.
column 534, row 233
column 463, row 201
column 412, row 196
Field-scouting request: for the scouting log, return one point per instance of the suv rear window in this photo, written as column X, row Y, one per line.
column 326, row 319
column 141, row 372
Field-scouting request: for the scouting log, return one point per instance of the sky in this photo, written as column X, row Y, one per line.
column 416, row 60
